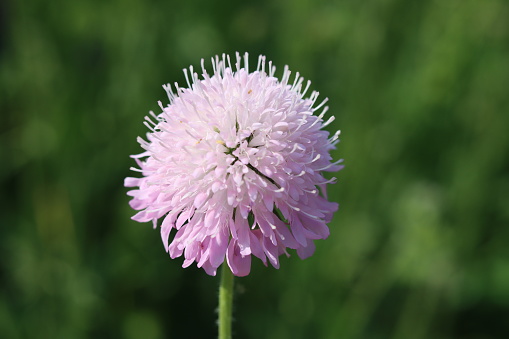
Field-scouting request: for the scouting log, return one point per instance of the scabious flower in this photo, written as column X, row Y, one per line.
column 234, row 164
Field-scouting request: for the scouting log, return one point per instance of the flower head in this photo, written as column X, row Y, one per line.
column 234, row 164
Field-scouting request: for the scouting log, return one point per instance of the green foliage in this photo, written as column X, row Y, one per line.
column 418, row 248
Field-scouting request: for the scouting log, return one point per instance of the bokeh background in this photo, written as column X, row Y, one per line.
column 419, row 248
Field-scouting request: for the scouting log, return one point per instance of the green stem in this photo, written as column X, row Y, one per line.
column 225, row 303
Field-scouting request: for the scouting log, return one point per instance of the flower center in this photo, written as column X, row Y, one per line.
column 231, row 151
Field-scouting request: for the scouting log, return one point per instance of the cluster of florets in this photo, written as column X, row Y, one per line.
column 234, row 164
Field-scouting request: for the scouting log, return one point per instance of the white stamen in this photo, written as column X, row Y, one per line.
column 321, row 104
column 335, row 136
column 305, row 89
column 246, row 62
column 331, row 119
column 187, row 78
column 237, row 63
column 330, row 165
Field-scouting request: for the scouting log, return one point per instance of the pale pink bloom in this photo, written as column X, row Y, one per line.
column 234, row 164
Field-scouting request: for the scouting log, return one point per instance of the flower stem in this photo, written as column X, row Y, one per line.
column 225, row 303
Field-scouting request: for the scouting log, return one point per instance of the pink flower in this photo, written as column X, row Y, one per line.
column 234, row 164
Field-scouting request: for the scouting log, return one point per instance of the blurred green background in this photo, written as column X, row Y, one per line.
column 419, row 248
